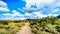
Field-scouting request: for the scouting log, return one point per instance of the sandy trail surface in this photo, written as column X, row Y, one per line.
column 25, row 29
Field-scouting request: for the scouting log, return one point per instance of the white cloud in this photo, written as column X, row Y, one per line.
column 17, row 16
column 38, row 14
column 57, row 4
column 27, row 14
column 38, row 3
column 15, row 13
column 41, row 4
column 34, row 15
column 55, row 10
column 14, row 16
column 7, row 14
column 20, row 9
column 4, row 9
column 52, row 14
column 3, row 6
column 47, row 2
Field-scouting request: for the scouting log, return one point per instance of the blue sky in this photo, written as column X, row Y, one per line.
column 28, row 9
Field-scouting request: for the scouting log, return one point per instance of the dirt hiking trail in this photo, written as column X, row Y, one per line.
column 25, row 29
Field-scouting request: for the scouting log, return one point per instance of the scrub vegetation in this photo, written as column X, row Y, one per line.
column 10, row 26
column 46, row 25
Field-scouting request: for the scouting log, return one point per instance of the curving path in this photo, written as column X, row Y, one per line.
column 25, row 29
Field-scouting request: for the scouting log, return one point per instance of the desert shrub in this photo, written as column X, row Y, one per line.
column 9, row 27
column 47, row 25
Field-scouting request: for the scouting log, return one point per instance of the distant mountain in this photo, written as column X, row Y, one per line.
column 58, row 16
